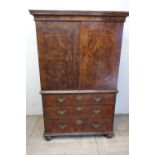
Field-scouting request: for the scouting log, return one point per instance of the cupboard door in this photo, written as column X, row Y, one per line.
column 99, row 54
column 58, row 44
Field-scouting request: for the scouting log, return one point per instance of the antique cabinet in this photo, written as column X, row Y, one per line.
column 79, row 54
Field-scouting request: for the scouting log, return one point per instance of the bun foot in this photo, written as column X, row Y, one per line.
column 109, row 135
column 48, row 138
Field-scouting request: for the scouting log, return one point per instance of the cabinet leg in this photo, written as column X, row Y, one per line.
column 109, row 135
column 48, row 138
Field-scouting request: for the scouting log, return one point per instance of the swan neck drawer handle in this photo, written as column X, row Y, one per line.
column 62, row 126
column 61, row 112
column 79, row 122
column 95, row 126
column 79, row 97
column 96, row 111
column 78, row 108
column 61, row 100
column 97, row 99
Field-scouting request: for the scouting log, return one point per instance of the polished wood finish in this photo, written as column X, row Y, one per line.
column 79, row 54
column 103, row 111
column 59, row 68
column 106, row 16
column 79, row 13
column 100, row 54
column 78, row 99
column 87, row 125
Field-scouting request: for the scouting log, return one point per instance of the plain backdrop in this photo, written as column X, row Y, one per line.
column 33, row 98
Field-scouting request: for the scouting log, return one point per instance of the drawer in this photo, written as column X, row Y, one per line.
column 63, row 125
column 78, row 125
column 104, row 111
column 79, row 99
column 57, row 112
column 98, row 125
column 58, row 126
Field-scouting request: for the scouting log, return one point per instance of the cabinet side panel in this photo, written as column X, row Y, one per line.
column 100, row 54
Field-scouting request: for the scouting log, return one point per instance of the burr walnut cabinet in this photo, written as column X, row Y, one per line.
column 79, row 54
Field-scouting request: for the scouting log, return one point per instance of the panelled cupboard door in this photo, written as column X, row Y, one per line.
column 100, row 45
column 58, row 44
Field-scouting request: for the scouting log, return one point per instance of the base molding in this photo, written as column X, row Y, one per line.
column 50, row 136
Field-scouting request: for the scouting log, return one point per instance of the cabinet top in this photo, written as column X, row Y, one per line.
column 55, row 15
column 80, row 13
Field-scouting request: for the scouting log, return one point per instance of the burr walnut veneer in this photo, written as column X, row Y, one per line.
column 79, row 54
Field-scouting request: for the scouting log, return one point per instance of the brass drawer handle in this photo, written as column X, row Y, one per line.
column 79, row 97
column 96, row 111
column 61, row 112
column 78, row 108
column 61, row 100
column 97, row 99
column 95, row 126
column 62, row 126
column 79, row 122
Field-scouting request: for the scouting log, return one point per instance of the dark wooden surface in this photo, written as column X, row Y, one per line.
column 100, row 45
column 64, row 46
column 58, row 55
column 79, row 54
column 79, row 99
column 79, row 111
column 88, row 125
column 80, row 13
column 47, row 15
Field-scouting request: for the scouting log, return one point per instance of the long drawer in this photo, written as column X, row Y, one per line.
column 78, row 125
column 97, row 111
column 78, row 99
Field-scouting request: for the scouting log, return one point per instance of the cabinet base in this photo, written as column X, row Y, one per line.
column 50, row 136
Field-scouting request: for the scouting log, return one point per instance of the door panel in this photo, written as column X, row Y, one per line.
column 58, row 47
column 99, row 54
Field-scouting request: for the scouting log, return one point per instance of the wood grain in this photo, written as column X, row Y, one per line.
column 58, row 46
column 100, row 55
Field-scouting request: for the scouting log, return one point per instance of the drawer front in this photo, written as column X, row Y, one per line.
column 79, row 99
column 59, row 126
column 98, row 125
column 84, row 111
column 78, row 125
column 53, row 112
